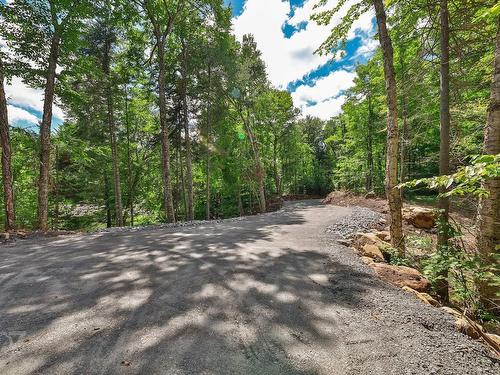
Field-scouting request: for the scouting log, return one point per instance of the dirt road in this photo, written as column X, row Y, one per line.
column 269, row 294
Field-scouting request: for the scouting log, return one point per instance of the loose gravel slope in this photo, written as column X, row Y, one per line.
column 269, row 294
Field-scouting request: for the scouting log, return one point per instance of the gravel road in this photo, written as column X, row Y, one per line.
column 269, row 294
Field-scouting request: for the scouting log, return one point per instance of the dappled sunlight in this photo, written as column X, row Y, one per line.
column 248, row 291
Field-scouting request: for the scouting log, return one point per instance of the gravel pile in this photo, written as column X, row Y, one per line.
column 360, row 220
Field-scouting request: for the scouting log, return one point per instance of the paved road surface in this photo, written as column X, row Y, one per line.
column 269, row 294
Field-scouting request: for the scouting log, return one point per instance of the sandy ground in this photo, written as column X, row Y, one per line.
column 270, row 294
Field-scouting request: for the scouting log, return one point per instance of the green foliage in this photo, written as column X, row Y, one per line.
column 338, row 36
column 461, row 268
column 419, row 242
column 467, row 180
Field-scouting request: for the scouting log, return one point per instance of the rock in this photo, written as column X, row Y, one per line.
column 376, row 249
column 344, row 242
column 424, row 297
column 419, row 217
column 5, row 236
column 371, row 251
column 384, row 235
column 494, row 338
column 455, row 313
column 427, row 298
column 401, row 276
column 367, row 260
column 361, row 239
column 463, row 326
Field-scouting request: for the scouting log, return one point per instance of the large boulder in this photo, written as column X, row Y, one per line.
column 370, row 245
column 371, row 251
column 419, row 217
column 361, row 239
column 402, row 276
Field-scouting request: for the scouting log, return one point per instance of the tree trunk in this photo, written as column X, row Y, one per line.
column 369, row 147
column 240, row 202
column 391, row 172
column 404, row 129
column 277, row 179
column 106, row 201
column 112, row 137
column 259, row 170
column 43, row 180
column 8, row 191
column 168, row 202
column 187, row 137
column 129, row 163
column 444, row 150
column 182, row 194
column 488, row 218
column 55, row 220
column 209, row 129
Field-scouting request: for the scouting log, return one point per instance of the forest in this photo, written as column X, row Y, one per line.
column 170, row 118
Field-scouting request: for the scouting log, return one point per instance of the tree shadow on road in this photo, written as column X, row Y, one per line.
column 212, row 299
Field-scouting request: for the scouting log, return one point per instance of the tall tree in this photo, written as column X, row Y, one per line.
column 444, row 150
column 8, row 191
column 108, row 45
column 35, row 31
column 187, row 135
column 251, row 80
column 488, row 218
column 338, row 37
column 162, row 15
column 391, row 171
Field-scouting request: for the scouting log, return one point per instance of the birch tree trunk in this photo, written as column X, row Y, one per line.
column 391, row 171
column 488, row 218
column 43, row 179
column 444, row 149
column 8, row 191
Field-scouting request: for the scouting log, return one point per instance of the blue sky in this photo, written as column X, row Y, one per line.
column 287, row 40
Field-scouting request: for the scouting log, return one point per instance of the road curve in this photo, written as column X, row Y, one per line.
column 269, row 294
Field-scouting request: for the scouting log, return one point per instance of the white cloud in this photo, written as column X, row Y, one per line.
column 286, row 59
column 324, row 88
column 20, row 95
column 290, row 59
column 367, row 48
column 326, row 109
column 16, row 114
